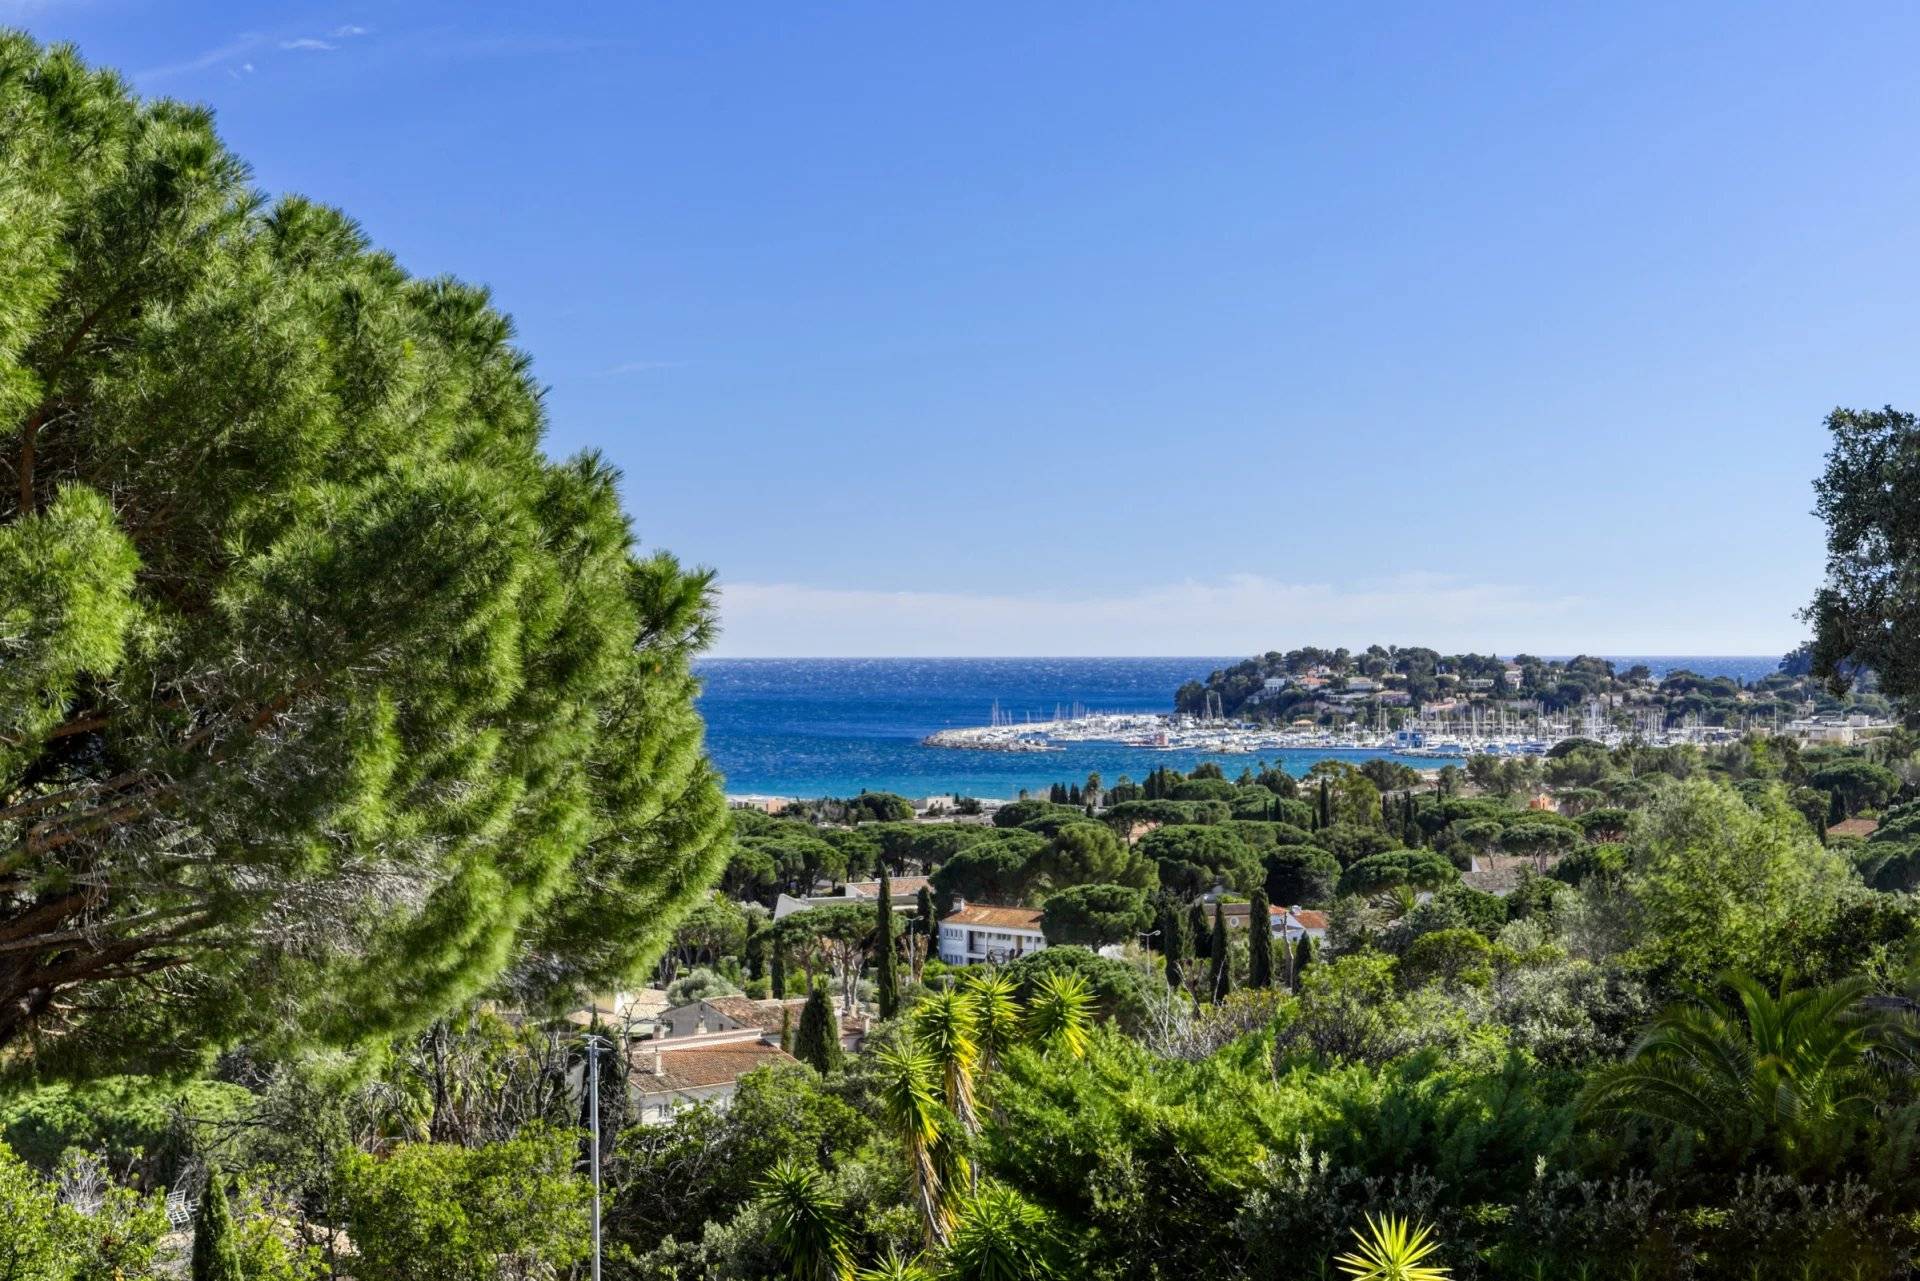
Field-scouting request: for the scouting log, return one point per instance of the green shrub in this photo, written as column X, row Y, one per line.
column 441, row 1212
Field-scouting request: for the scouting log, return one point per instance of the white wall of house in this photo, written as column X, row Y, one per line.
column 981, row 944
column 659, row 1107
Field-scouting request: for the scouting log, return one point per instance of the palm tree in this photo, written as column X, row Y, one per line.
column 943, row 1024
column 1060, row 1014
column 1790, row 1072
column 1002, row 1237
column 996, row 1015
column 910, row 1099
column 809, row 1229
column 1391, row 1250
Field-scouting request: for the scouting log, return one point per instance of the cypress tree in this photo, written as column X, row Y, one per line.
column 1326, row 802
column 779, row 967
column 817, row 1042
column 1222, row 977
column 1197, row 933
column 1173, row 942
column 886, row 977
column 756, row 948
column 1259, row 942
column 1302, row 958
column 216, row 1256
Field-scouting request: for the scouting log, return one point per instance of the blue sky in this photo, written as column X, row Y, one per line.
column 1080, row 329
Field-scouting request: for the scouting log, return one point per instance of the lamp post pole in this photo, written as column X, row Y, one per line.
column 594, row 1045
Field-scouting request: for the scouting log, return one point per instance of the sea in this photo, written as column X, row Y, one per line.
column 808, row 727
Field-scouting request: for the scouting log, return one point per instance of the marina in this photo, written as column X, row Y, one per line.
column 1499, row 731
column 831, row 727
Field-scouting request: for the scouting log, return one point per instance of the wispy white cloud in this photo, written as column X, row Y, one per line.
column 238, row 47
column 241, row 47
column 1241, row 614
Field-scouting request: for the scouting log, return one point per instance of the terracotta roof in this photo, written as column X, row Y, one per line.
column 704, row 1065
column 1006, row 918
column 1311, row 920
column 1855, row 827
column 765, row 1015
column 901, row 885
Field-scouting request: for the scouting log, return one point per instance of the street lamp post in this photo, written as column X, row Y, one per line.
column 595, row 1044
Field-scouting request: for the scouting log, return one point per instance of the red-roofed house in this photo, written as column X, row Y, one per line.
column 979, row 934
column 1288, row 923
column 1300, row 920
column 673, row 1074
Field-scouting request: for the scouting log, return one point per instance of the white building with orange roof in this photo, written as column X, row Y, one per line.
column 979, row 934
column 668, row 1076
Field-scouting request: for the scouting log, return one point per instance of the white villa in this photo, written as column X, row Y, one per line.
column 983, row 935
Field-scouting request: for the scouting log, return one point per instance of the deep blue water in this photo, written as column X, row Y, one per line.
column 832, row 726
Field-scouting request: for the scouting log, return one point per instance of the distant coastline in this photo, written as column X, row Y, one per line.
column 831, row 727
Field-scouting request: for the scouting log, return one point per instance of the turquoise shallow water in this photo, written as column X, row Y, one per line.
column 833, row 726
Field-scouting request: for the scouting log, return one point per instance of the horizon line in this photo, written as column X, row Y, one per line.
column 962, row 658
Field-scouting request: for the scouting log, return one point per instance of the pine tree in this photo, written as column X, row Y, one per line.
column 1302, row 958
column 1221, row 981
column 298, row 605
column 216, row 1255
column 886, row 976
column 1259, row 942
column 1198, row 935
column 817, row 1042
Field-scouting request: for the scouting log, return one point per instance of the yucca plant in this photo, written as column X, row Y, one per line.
column 995, row 998
column 809, row 1226
column 1391, row 1250
column 910, row 1098
column 1002, row 1236
column 943, row 1025
column 1060, row 1014
column 895, row 1268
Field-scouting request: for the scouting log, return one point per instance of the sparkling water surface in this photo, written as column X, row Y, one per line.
column 833, row 726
